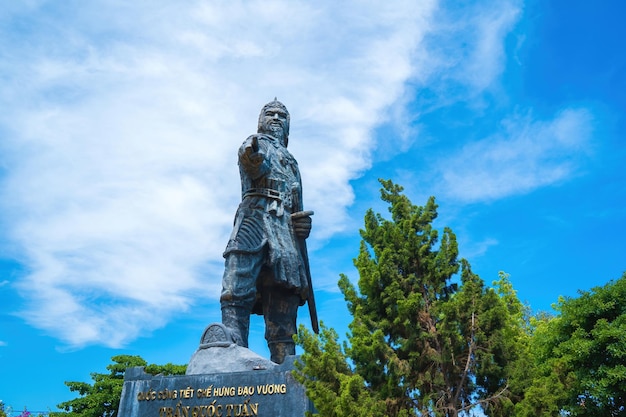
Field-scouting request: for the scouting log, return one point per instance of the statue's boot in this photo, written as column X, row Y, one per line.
column 280, row 349
column 237, row 320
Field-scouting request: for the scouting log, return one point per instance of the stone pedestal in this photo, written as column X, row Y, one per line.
column 223, row 380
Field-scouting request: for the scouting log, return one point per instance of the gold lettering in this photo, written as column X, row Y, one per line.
column 177, row 412
column 271, row 389
column 186, row 393
column 224, row 392
column 241, row 391
column 202, row 393
column 211, row 409
column 149, row 395
column 244, row 408
column 254, row 409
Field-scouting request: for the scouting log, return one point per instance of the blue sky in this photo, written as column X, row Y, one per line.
column 121, row 122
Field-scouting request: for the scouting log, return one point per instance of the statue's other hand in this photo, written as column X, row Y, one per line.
column 302, row 222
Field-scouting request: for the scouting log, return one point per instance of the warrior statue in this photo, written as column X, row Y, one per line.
column 266, row 267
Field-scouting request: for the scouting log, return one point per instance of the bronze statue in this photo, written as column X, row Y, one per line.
column 266, row 267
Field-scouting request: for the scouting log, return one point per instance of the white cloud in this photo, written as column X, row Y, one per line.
column 476, row 249
column 466, row 53
column 122, row 121
column 486, row 59
column 525, row 155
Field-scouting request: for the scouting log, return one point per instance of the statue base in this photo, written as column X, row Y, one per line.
column 222, row 380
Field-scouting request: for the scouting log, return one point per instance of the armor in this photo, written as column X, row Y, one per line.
column 264, row 269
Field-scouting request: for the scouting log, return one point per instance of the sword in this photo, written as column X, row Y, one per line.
column 305, row 261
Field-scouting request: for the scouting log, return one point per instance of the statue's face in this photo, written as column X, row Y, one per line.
column 274, row 122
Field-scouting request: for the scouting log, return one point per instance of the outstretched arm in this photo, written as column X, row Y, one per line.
column 252, row 157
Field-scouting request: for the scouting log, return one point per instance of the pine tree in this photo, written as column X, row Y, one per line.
column 419, row 343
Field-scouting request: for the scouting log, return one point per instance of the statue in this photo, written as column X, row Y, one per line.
column 266, row 264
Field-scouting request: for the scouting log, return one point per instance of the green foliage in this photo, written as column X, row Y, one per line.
column 513, row 345
column 2, row 410
column 419, row 344
column 102, row 398
column 336, row 390
column 580, row 356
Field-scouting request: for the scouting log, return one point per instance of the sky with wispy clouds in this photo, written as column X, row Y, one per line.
column 121, row 121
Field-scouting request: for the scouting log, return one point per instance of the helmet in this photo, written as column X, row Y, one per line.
column 275, row 105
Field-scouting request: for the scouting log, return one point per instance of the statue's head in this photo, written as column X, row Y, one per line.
column 274, row 120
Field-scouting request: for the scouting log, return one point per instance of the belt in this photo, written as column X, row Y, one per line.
column 263, row 192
